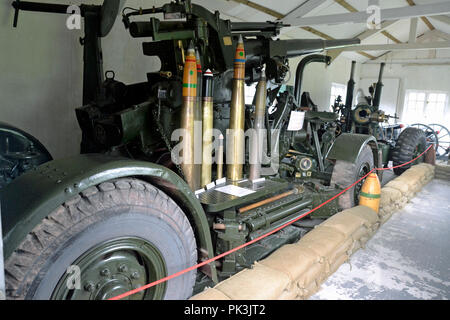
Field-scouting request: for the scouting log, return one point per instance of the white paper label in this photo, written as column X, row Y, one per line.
column 258, row 180
column 221, row 181
column 199, row 191
column 296, row 120
column 235, row 190
column 210, row 185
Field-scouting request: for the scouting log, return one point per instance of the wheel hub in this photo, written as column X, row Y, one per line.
column 114, row 275
column 363, row 170
column 116, row 267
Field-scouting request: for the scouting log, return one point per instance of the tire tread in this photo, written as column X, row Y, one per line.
column 23, row 264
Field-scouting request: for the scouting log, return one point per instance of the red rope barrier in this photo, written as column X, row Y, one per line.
column 131, row 292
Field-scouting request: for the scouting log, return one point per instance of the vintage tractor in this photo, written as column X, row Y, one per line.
column 397, row 144
column 124, row 213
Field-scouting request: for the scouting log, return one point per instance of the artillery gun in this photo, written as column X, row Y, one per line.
column 124, row 213
column 396, row 145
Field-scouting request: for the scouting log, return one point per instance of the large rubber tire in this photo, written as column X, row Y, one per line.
column 410, row 143
column 346, row 173
column 118, row 209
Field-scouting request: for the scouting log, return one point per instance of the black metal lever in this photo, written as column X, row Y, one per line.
column 37, row 7
column 16, row 5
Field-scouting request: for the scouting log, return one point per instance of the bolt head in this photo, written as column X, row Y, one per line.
column 89, row 286
column 135, row 275
column 105, row 272
column 123, row 268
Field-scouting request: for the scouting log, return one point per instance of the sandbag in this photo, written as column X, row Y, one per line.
column 292, row 260
column 339, row 261
column 289, row 294
column 315, row 273
column 210, row 294
column 386, row 210
column 414, row 183
column 392, row 193
column 305, row 293
column 402, row 203
column 427, row 166
column 365, row 213
column 403, row 188
column 355, row 247
column 344, row 222
column 258, row 283
column 386, row 218
column 366, row 237
column 322, row 241
column 361, row 232
column 385, row 198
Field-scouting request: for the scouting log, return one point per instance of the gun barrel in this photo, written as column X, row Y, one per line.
column 379, row 87
column 305, row 46
column 256, row 26
column 40, row 7
column 351, row 87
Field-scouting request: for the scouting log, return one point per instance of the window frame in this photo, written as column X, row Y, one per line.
column 342, row 86
column 426, row 105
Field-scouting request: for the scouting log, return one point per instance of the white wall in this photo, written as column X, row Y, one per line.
column 41, row 72
column 412, row 77
column 318, row 77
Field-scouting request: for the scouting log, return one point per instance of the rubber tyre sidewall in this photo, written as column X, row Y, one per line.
column 346, row 200
column 142, row 222
column 408, row 141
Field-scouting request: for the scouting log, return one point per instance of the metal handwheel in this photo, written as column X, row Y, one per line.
column 444, row 140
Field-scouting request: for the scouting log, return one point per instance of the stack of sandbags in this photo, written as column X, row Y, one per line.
column 296, row 271
column 442, row 171
column 412, row 180
column 399, row 191
column 258, row 283
column 391, row 201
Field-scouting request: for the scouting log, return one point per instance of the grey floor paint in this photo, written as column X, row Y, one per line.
column 408, row 258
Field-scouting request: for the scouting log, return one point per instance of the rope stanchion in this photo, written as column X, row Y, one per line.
column 152, row 284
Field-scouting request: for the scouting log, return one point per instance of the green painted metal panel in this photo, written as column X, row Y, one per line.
column 348, row 146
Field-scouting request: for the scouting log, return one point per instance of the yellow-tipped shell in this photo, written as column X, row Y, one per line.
column 190, row 74
column 371, row 192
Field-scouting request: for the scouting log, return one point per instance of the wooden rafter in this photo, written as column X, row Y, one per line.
column 280, row 16
column 424, row 19
column 390, row 36
column 351, row 8
column 261, row 8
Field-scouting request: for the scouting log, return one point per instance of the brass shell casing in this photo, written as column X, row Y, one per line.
column 198, row 126
column 235, row 136
column 219, row 157
column 188, row 117
column 207, row 140
column 258, row 140
column 187, row 123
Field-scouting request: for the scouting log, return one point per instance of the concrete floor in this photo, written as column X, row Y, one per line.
column 408, row 258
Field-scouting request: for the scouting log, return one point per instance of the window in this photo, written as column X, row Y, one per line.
column 338, row 89
column 425, row 107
